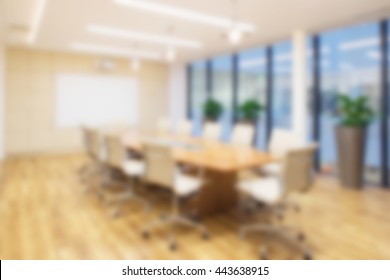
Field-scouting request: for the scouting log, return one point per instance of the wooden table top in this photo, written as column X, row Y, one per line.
column 201, row 153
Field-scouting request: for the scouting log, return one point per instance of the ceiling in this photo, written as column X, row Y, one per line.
column 64, row 22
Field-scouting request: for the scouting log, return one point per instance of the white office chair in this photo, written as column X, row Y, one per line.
column 161, row 170
column 243, row 135
column 184, row 128
column 93, row 144
column 164, row 125
column 133, row 169
column 212, row 131
column 274, row 192
column 281, row 142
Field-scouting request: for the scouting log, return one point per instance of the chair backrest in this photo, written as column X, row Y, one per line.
column 212, row 131
column 282, row 141
column 298, row 169
column 160, row 165
column 164, row 125
column 92, row 142
column 243, row 135
column 115, row 150
column 184, row 128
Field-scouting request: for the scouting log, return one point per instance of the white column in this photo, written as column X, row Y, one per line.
column 2, row 106
column 178, row 93
column 300, row 93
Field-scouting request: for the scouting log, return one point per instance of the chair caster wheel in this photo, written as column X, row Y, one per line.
column 145, row 234
column 301, row 237
column 307, row 256
column 206, row 236
column 173, row 246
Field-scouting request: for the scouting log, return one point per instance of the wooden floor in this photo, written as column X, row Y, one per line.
column 45, row 214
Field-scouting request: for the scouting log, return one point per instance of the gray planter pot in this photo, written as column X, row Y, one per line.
column 351, row 142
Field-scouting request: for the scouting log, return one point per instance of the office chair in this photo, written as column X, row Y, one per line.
column 93, row 144
column 161, row 170
column 281, row 142
column 212, row 131
column 243, row 135
column 273, row 194
column 132, row 169
column 184, row 128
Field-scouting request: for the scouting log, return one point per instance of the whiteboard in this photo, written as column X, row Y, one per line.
column 97, row 100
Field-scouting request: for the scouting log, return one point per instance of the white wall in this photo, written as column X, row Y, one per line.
column 177, row 93
column 2, row 93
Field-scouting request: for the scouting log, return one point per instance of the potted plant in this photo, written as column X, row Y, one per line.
column 212, row 110
column 355, row 115
column 249, row 111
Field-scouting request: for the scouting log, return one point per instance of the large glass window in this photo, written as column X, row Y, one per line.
column 198, row 94
column 252, row 85
column 282, row 89
column 222, row 91
column 350, row 65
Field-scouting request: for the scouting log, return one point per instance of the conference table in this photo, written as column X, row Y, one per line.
column 221, row 164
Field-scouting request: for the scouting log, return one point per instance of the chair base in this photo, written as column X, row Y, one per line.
column 287, row 233
column 128, row 196
column 174, row 220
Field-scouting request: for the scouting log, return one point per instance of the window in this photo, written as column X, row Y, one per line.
column 350, row 65
column 252, row 85
column 282, row 102
column 222, row 91
column 198, row 94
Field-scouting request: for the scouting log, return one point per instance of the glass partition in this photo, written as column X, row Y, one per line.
column 282, row 71
column 252, row 85
column 350, row 65
column 198, row 94
column 222, row 91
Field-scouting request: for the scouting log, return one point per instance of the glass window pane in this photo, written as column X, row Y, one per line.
column 350, row 65
column 252, row 85
column 282, row 69
column 222, row 91
column 198, row 94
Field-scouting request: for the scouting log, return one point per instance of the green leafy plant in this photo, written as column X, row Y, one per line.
column 212, row 109
column 354, row 112
column 250, row 110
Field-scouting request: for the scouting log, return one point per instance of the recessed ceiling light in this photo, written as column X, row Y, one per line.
column 185, row 14
column 144, row 37
column 235, row 36
column 36, row 23
column 115, row 51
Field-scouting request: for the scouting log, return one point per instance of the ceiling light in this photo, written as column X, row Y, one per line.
column 171, row 55
column 36, row 23
column 116, row 51
column 184, row 14
column 135, row 64
column 235, row 36
column 144, row 37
